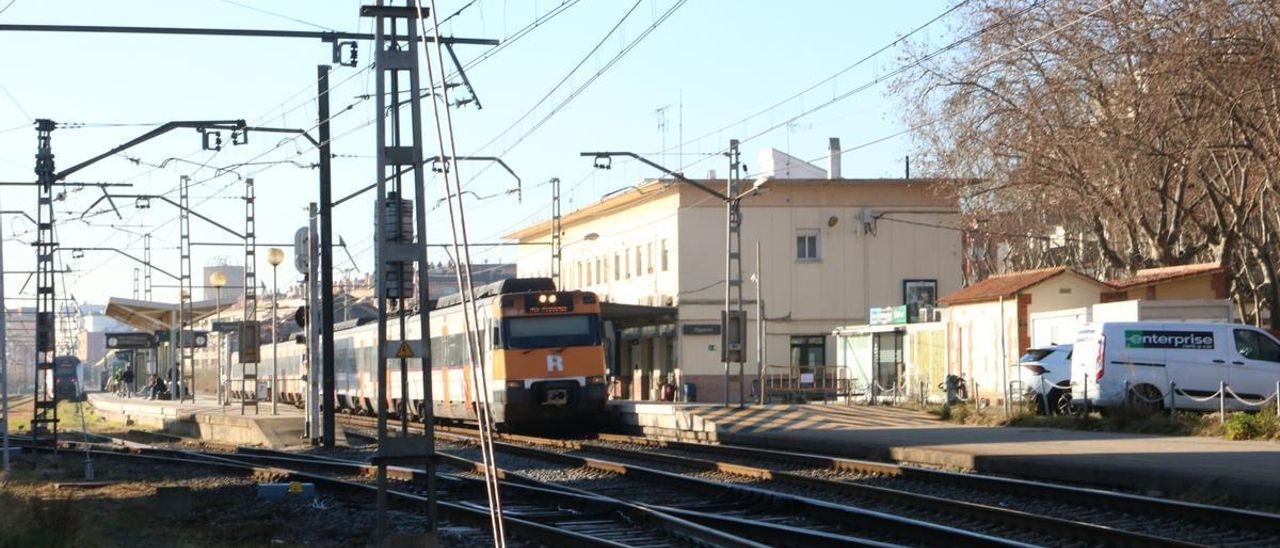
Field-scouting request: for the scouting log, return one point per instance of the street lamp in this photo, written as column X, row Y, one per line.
column 218, row 279
column 275, row 256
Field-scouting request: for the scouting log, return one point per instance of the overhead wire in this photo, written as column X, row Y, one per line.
column 470, row 309
column 833, row 76
column 565, row 79
column 578, row 91
column 276, row 14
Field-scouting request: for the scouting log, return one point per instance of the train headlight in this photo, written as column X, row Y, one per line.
column 598, row 379
column 542, row 299
column 515, row 384
column 551, row 299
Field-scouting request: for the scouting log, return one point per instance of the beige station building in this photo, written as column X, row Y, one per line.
column 831, row 248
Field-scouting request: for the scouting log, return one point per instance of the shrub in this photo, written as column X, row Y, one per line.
column 1252, row 426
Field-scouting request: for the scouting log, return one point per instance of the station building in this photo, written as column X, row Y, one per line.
column 831, row 247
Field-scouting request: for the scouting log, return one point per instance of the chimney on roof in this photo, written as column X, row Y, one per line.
column 833, row 158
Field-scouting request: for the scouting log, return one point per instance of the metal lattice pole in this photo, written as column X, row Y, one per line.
column 396, row 249
column 556, row 236
column 45, row 416
column 186, row 350
column 146, row 273
column 249, row 331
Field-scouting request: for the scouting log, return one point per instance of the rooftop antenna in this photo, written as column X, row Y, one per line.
column 661, row 114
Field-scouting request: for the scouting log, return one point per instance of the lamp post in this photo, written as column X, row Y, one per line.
column 218, row 279
column 275, row 256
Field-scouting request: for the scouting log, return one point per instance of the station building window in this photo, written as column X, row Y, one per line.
column 664, row 255
column 807, row 245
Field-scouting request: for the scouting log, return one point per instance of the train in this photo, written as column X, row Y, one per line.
column 543, row 351
column 65, row 380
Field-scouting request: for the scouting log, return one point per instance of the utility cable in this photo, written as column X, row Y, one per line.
column 458, row 225
column 565, row 79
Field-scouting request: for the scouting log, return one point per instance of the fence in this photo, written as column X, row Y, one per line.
column 798, row 384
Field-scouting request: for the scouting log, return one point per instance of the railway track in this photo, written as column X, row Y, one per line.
column 717, row 503
column 1146, row 518
column 1019, row 510
column 338, row 478
column 544, row 516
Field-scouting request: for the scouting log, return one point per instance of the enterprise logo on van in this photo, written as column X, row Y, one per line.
column 1185, row 340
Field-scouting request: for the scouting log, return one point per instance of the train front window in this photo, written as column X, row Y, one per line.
column 551, row 331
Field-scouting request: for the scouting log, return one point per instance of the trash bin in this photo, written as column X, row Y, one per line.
column 690, row 391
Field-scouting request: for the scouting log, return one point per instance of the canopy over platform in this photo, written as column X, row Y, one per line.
column 634, row 315
column 150, row 316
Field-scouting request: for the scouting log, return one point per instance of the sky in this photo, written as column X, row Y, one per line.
column 711, row 71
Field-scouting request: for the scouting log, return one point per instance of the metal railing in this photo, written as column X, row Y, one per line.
column 802, row 384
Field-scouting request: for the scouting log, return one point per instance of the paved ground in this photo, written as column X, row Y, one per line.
column 203, row 404
column 205, row 419
column 1203, row 467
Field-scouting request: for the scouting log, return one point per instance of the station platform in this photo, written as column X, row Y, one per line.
column 1198, row 467
column 205, row 419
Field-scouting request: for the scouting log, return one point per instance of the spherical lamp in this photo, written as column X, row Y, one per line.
column 275, row 256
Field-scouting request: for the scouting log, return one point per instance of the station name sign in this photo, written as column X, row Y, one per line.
column 1182, row 340
column 700, row 329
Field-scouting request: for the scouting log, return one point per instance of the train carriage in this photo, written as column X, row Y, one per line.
column 543, row 354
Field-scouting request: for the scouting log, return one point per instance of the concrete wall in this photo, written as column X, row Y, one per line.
column 974, row 330
column 861, row 264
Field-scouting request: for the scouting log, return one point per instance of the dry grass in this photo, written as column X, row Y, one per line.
column 1186, row 423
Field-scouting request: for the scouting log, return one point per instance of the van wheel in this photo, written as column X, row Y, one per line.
column 1061, row 402
column 1145, row 398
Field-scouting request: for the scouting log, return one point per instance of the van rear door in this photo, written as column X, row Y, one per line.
column 1085, row 355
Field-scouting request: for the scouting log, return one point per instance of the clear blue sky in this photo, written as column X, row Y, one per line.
column 717, row 61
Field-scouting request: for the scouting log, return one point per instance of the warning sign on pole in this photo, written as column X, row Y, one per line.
column 402, row 349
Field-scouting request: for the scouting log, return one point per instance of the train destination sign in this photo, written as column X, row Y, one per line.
column 548, row 303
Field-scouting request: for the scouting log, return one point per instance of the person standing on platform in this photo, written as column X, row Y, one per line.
column 127, row 379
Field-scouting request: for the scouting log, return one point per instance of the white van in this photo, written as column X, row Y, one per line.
column 1193, row 356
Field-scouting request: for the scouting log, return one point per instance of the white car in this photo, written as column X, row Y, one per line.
column 1151, row 358
column 1049, row 383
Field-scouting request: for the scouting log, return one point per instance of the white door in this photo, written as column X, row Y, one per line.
column 1255, row 366
column 1190, row 358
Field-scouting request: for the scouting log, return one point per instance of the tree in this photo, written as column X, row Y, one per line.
column 1113, row 135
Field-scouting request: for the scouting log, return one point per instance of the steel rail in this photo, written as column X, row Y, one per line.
column 828, row 512
column 478, row 517
column 1005, row 516
column 670, row 518
column 1204, row 513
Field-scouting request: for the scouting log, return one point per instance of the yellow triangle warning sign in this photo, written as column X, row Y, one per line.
column 405, row 350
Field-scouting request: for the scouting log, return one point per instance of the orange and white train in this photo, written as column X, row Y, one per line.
column 543, row 354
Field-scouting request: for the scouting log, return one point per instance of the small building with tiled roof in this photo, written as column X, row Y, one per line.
column 1183, row 282
column 989, row 322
